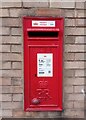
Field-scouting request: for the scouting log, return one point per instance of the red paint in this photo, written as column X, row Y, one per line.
column 46, row 92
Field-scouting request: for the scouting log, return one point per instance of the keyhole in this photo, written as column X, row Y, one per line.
column 35, row 75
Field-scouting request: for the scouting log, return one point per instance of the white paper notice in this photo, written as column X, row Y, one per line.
column 44, row 65
column 42, row 23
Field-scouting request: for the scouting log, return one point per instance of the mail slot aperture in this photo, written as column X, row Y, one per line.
column 42, row 34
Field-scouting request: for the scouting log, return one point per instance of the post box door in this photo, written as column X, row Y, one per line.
column 43, row 76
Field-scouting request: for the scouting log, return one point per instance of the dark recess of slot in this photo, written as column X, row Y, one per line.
column 42, row 34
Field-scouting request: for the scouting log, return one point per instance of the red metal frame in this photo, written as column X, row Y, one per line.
column 32, row 42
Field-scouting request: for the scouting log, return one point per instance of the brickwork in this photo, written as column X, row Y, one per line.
column 12, row 56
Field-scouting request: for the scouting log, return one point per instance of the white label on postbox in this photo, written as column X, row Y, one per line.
column 42, row 23
column 44, row 65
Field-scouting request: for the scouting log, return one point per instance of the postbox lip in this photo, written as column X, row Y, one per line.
column 43, row 29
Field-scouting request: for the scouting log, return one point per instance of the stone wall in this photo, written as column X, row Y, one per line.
column 11, row 53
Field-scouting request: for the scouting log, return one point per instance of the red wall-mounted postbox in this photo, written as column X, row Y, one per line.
column 43, row 39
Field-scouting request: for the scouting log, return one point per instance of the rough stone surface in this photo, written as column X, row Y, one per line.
column 37, row 3
column 11, row 56
column 61, row 4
